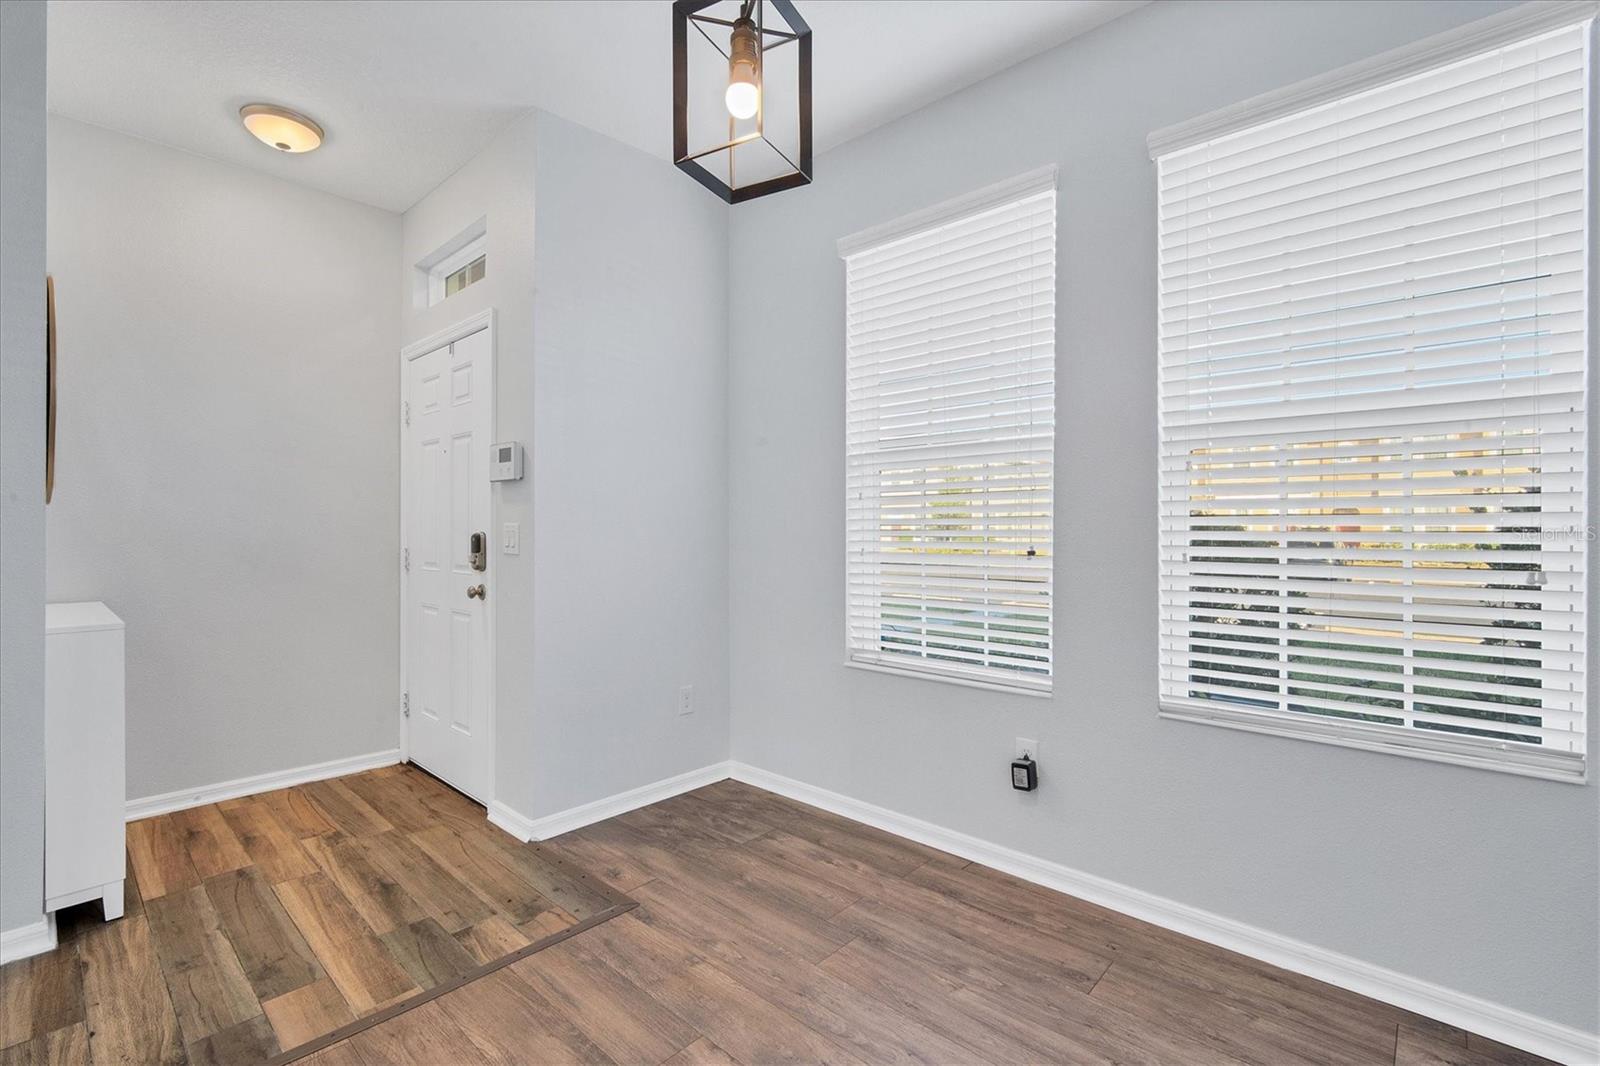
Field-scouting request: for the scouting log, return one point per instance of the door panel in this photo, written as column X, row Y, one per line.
column 427, row 543
column 461, row 672
column 447, row 649
column 424, row 689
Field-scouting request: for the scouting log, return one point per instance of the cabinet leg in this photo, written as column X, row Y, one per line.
column 111, row 901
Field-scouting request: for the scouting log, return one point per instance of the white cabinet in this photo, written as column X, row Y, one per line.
column 84, row 769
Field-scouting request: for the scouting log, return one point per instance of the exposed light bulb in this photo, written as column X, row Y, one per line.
column 743, row 99
column 744, row 55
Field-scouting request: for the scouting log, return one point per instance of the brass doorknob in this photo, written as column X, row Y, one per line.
column 476, row 592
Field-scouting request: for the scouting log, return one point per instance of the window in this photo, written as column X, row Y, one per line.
column 459, row 262
column 950, row 432
column 1373, row 334
column 457, row 280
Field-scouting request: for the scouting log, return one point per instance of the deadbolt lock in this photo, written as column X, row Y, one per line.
column 478, row 552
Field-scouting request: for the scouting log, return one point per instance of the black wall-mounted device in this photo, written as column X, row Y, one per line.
column 1024, row 774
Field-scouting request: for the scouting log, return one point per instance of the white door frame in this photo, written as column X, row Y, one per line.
column 483, row 320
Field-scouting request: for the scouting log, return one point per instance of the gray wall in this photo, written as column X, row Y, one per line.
column 630, row 461
column 22, row 377
column 607, row 272
column 1479, row 881
column 227, row 468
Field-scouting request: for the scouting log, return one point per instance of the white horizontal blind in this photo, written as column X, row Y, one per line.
column 950, row 423
column 1373, row 330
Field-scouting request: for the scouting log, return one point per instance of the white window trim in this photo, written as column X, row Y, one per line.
column 978, row 200
column 1550, row 766
column 1484, row 34
column 1040, row 689
column 1001, row 192
column 1478, row 36
column 446, row 259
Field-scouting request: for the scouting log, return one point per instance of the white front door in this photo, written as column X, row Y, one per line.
column 449, row 392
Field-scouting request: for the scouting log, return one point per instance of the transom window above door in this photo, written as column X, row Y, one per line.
column 454, row 266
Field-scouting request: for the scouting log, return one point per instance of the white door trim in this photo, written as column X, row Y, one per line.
column 483, row 320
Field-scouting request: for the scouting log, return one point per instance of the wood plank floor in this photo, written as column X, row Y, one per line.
column 258, row 924
column 768, row 931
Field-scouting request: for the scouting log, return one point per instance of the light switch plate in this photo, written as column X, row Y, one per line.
column 511, row 539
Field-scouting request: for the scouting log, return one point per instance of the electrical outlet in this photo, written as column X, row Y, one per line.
column 685, row 700
column 1027, row 747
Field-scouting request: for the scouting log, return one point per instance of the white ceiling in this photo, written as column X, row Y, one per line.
column 409, row 90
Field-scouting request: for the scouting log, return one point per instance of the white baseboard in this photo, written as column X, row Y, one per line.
column 35, row 939
column 167, row 802
column 552, row 825
column 511, row 820
column 1505, row 1024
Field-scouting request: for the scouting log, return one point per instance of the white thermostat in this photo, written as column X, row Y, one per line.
column 505, row 462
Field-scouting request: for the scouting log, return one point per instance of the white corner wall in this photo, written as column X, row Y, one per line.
column 22, row 386
column 1478, row 882
column 227, row 455
column 607, row 273
column 630, row 462
column 496, row 185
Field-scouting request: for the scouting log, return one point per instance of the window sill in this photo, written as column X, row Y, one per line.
column 1486, row 755
column 1038, row 690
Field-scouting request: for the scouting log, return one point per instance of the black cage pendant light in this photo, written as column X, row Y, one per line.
column 741, row 96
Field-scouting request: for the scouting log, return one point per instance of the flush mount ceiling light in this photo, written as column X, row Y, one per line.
column 280, row 128
column 741, row 96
